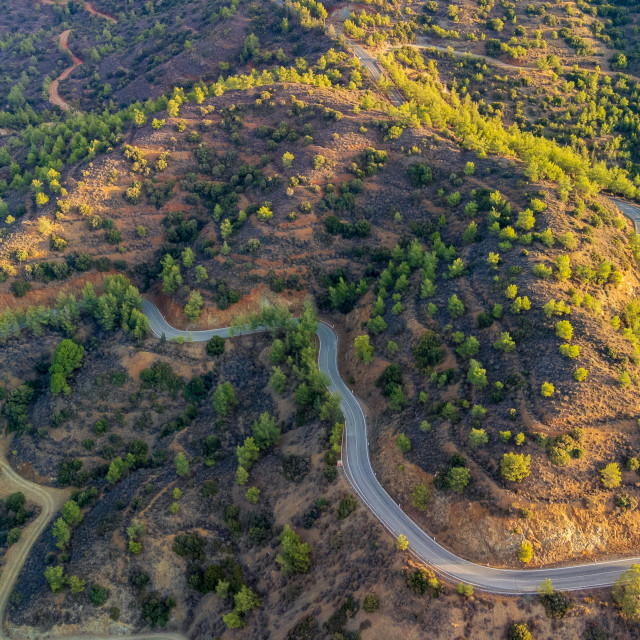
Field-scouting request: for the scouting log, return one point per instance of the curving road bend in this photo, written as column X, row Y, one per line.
column 360, row 474
column 357, row 467
column 50, row 501
column 632, row 211
column 54, row 95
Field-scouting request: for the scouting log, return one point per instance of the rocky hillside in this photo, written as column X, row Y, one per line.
column 452, row 265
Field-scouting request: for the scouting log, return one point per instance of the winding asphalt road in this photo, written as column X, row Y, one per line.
column 630, row 210
column 359, row 473
column 363, row 479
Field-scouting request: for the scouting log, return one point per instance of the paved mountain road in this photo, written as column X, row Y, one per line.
column 357, row 468
column 632, row 211
column 360, row 474
column 372, row 65
column 363, row 479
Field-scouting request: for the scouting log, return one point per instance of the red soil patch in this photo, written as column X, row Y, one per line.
column 47, row 295
column 215, row 318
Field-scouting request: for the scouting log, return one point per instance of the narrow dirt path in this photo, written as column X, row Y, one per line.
column 423, row 43
column 54, row 95
column 50, row 500
column 89, row 8
column 54, row 87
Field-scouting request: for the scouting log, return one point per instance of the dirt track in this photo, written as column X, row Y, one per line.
column 54, row 95
column 87, row 6
column 48, row 499
column 423, row 43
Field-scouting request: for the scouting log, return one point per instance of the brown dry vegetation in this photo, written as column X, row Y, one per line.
column 564, row 526
column 573, row 518
column 354, row 556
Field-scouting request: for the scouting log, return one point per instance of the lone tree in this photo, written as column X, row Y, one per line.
column 626, row 592
column 547, row 389
column 182, row 464
column 421, row 496
column 248, row 453
column 278, row 380
column 515, row 466
column 364, row 350
column 610, row 476
column 525, row 552
column 224, row 399
column 72, row 514
column 478, row 437
column 371, row 603
column 403, row 443
column 505, row 343
column 66, row 359
column 55, row 578
column 215, row 346
column 61, row 533
column 402, row 544
column 458, row 478
column 193, row 308
column 294, row 556
column 265, row 431
column 476, row 375
column 520, row 631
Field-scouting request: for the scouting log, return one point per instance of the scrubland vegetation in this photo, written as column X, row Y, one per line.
column 236, row 163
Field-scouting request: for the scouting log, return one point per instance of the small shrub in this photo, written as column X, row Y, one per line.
column 611, row 476
column 371, row 603
column 98, row 595
column 403, row 443
column 19, row 288
column 547, row 389
column 347, row 507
